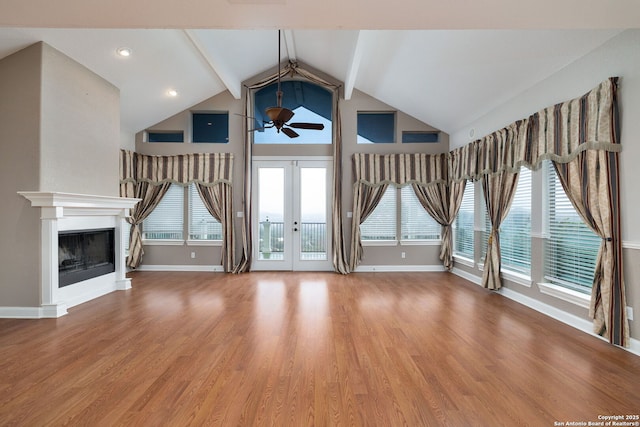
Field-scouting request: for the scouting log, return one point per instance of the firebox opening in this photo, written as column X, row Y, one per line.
column 84, row 255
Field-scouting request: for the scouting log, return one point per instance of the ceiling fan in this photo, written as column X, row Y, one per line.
column 279, row 115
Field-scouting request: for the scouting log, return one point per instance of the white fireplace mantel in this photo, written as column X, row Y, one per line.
column 65, row 212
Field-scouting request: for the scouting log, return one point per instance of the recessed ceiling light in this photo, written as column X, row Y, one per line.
column 124, row 51
column 172, row 93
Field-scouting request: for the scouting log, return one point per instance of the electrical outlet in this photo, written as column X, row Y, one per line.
column 403, row 255
column 193, row 255
column 629, row 313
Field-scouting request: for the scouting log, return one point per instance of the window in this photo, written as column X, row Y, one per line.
column 381, row 224
column 166, row 220
column 202, row 225
column 210, row 127
column 165, row 136
column 463, row 228
column 571, row 247
column 376, row 127
column 419, row 137
column 310, row 103
column 416, row 223
column 515, row 231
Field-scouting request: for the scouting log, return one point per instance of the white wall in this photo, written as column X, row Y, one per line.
column 620, row 57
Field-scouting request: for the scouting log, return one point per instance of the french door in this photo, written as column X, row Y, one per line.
column 292, row 215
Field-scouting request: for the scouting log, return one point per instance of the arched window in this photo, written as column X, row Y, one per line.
column 309, row 102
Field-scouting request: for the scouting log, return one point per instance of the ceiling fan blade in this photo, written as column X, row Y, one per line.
column 290, row 132
column 261, row 128
column 313, row 126
column 244, row 115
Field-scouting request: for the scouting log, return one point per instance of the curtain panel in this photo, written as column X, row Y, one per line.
column 292, row 69
column 572, row 134
column 149, row 177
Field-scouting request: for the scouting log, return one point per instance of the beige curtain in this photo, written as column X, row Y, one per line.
column 373, row 172
column 151, row 195
column 582, row 133
column 591, row 182
column 365, row 200
column 339, row 256
column 498, row 190
column 442, row 202
column 149, row 177
column 218, row 199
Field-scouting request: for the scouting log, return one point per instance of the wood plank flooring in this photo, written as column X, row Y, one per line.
column 307, row 349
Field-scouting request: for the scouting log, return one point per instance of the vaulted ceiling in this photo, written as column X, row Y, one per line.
column 445, row 63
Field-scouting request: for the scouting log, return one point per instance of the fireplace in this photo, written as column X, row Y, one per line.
column 82, row 248
column 85, row 254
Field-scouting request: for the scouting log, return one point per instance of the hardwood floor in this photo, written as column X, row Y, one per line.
column 308, row 349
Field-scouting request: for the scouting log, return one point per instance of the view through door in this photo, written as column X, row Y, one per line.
column 292, row 215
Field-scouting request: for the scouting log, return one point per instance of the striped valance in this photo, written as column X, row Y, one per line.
column 399, row 169
column 205, row 168
column 463, row 163
column 558, row 133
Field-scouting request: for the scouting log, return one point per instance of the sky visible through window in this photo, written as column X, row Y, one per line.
column 302, row 115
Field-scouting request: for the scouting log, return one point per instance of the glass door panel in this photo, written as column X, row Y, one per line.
column 292, row 213
column 312, row 237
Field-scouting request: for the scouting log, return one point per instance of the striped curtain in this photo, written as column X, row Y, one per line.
column 338, row 247
column 140, row 173
column 580, row 136
column 498, row 190
column 374, row 172
column 442, row 202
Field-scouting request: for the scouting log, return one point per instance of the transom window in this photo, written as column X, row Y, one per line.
column 376, row 127
column 309, row 102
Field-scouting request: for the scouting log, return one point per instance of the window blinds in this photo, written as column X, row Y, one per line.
column 416, row 223
column 463, row 225
column 202, row 225
column 166, row 220
column 571, row 247
column 381, row 224
column 515, row 231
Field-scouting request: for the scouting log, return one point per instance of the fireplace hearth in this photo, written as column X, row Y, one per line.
column 85, row 254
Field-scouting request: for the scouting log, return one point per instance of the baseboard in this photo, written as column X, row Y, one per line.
column 466, row 275
column 20, row 312
column 44, row 312
column 210, row 268
column 579, row 323
column 398, row 268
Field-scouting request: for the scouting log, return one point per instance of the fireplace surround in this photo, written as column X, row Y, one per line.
column 66, row 214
